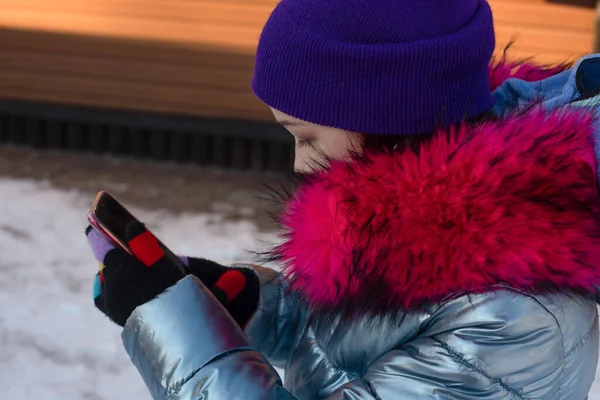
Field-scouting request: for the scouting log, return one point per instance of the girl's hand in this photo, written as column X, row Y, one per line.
column 124, row 282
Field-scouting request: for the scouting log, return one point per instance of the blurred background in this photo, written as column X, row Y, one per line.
column 151, row 101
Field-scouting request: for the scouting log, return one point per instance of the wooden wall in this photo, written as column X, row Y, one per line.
column 549, row 32
column 195, row 57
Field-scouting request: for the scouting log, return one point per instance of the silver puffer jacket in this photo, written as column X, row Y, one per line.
column 470, row 276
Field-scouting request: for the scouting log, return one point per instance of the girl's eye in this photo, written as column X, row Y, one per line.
column 303, row 143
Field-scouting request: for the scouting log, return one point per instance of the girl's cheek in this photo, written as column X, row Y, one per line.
column 339, row 149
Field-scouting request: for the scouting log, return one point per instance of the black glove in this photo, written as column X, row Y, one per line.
column 126, row 282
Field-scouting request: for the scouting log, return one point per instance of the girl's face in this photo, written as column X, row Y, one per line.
column 315, row 143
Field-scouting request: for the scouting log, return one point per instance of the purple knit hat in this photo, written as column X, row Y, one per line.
column 377, row 66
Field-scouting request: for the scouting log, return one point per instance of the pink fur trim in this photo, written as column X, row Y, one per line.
column 513, row 203
column 504, row 69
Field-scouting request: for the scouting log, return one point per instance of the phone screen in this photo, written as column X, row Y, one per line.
column 111, row 217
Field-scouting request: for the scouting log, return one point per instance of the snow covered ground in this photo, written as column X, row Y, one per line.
column 53, row 344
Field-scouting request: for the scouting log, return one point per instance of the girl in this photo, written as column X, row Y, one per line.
column 448, row 248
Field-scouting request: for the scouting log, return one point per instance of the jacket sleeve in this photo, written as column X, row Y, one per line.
column 186, row 346
column 276, row 326
column 466, row 352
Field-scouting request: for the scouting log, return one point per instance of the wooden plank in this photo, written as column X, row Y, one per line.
column 538, row 57
column 134, row 50
column 116, row 70
column 131, row 96
column 212, row 34
column 254, row 14
column 578, row 3
column 522, row 1
column 519, row 14
column 545, row 39
column 195, row 75
column 224, row 36
column 556, row 17
column 249, row 13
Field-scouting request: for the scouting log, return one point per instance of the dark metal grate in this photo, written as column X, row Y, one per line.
column 204, row 141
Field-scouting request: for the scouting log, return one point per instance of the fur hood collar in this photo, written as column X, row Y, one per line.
column 512, row 202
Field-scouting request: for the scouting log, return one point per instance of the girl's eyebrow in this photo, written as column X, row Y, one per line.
column 287, row 122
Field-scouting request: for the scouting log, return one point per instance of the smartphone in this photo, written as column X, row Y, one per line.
column 108, row 216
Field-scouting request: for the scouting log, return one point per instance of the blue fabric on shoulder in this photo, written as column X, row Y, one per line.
column 580, row 82
column 578, row 87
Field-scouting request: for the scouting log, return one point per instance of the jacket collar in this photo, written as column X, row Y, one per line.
column 512, row 202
